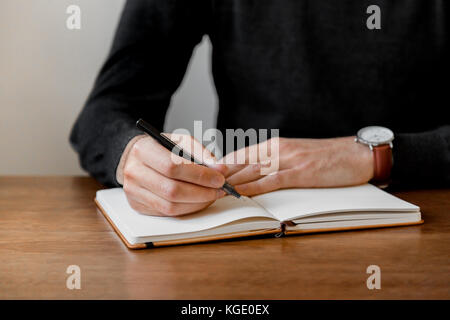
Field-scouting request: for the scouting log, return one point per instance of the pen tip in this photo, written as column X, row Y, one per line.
column 236, row 194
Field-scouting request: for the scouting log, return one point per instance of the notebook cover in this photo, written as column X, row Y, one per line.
column 184, row 241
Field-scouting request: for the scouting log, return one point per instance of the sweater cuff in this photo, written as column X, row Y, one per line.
column 117, row 146
column 420, row 159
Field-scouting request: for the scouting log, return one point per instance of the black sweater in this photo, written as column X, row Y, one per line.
column 310, row 68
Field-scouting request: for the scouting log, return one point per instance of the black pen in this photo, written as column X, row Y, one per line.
column 174, row 148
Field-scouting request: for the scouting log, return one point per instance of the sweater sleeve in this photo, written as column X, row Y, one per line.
column 147, row 62
column 422, row 159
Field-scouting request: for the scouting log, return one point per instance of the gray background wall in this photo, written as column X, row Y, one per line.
column 47, row 71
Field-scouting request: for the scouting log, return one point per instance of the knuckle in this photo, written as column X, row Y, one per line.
column 170, row 169
column 255, row 168
column 170, row 190
column 135, row 150
column 128, row 172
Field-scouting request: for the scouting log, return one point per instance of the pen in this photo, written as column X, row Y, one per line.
column 174, row 148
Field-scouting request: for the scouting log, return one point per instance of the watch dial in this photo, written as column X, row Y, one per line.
column 376, row 135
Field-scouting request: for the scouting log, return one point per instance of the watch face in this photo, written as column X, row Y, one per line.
column 375, row 135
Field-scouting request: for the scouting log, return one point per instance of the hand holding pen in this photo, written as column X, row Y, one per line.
column 156, row 185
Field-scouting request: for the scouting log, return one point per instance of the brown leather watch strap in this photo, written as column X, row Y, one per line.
column 382, row 163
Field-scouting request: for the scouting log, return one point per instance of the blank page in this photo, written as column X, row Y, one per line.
column 289, row 204
column 134, row 224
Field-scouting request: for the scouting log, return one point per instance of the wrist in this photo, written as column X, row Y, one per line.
column 379, row 140
column 361, row 159
column 124, row 157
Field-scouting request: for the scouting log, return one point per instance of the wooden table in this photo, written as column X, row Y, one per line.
column 49, row 223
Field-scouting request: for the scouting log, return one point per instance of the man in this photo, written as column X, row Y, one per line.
column 318, row 71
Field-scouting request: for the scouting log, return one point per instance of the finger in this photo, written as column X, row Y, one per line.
column 170, row 189
column 198, row 150
column 266, row 184
column 152, row 204
column 234, row 163
column 143, row 208
column 249, row 173
column 193, row 146
column 252, row 172
column 233, row 169
column 172, row 166
column 253, row 154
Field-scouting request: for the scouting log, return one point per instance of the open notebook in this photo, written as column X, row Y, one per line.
column 280, row 212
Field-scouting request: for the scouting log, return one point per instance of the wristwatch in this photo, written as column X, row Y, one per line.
column 379, row 140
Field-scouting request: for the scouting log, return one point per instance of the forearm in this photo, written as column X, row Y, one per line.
column 100, row 136
column 146, row 64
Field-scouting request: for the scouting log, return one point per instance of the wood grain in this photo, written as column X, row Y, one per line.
column 49, row 223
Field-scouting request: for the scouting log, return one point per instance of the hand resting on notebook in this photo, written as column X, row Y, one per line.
column 302, row 163
column 155, row 184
